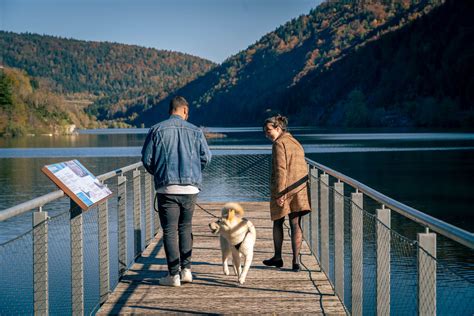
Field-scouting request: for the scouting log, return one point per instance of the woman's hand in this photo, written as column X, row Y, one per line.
column 281, row 200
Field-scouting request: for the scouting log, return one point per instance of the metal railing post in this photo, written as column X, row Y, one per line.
column 357, row 253
column 308, row 230
column 148, row 208
column 77, row 259
column 305, row 223
column 325, row 222
column 104, row 260
column 315, row 211
column 137, row 212
column 40, row 263
column 305, row 227
column 122, row 223
column 426, row 273
column 339, row 239
column 383, row 261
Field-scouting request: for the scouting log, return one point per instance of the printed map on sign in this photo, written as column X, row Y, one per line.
column 77, row 182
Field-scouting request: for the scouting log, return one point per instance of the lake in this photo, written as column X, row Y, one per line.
column 431, row 172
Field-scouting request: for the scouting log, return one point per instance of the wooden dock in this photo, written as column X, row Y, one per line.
column 266, row 290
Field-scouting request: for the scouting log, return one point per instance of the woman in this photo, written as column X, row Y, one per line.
column 289, row 190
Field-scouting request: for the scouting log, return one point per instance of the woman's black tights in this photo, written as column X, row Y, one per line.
column 296, row 236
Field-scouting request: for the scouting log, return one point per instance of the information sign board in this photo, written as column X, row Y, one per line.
column 77, row 182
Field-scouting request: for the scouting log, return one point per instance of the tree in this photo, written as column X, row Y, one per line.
column 6, row 100
column 356, row 113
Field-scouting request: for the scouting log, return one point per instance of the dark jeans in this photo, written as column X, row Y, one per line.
column 176, row 217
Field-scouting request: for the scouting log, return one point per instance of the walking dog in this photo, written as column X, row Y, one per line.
column 237, row 237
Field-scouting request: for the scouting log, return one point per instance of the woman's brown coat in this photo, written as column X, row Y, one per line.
column 289, row 177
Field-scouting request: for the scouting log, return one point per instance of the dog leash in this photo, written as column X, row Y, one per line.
column 294, row 193
column 155, row 206
column 202, row 208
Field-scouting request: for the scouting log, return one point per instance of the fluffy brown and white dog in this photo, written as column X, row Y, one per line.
column 237, row 237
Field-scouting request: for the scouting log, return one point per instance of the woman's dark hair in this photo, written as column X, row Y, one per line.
column 277, row 121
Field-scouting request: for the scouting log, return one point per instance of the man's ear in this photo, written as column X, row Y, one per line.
column 186, row 112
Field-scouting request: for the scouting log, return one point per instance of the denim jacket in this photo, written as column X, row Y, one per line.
column 175, row 152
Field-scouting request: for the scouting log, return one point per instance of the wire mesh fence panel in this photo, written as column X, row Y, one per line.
column 113, row 233
column 331, row 230
column 148, row 214
column 238, row 178
column 454, row 291
column 314, row 215
column 403, row 276
column 91, row 260
column 60, row 264
column 16, row 259
column 355, row 232
column 130, row 221
column 348, row 253
column 369, row 265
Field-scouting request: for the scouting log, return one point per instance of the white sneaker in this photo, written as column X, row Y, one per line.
column 186, row 276
column 170, row 280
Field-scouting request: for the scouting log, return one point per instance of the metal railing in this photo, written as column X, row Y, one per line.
column 91, row 250
column 374, row 267
column 130, row 181
column 450, row 231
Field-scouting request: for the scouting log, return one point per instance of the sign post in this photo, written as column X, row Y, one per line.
column 85, row 191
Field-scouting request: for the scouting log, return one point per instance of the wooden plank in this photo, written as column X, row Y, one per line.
column 266, row 290
column 222, row 306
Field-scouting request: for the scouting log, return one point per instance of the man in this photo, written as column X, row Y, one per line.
column 175, row 152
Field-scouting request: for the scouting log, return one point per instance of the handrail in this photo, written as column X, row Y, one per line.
column 455, row 233
column 29, row 205
column 52, row 196
column 242, row 147
column 117, row 172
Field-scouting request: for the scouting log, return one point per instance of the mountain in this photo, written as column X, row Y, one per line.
column 420, row 75
column 324, row 68
column 106, row 73
column 27, row 108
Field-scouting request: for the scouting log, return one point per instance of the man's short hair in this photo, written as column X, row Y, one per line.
column 176, row 103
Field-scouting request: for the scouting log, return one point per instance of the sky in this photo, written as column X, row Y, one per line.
column 211, row 29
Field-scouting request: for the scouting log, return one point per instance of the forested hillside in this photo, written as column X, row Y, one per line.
column 27, row 108
column 421, row 75
column 383, row 56
column 347, row 63
column 109, row 74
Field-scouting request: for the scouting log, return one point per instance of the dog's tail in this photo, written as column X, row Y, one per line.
column 236, row 207
column 251, row 228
